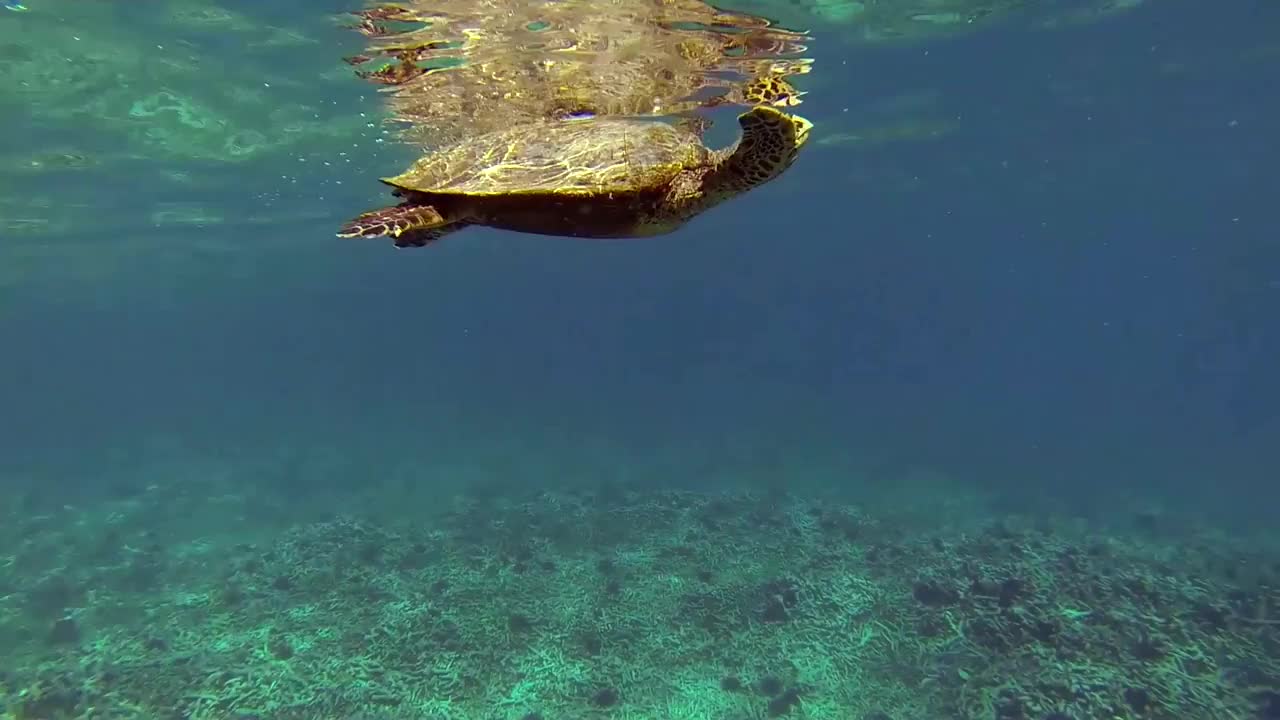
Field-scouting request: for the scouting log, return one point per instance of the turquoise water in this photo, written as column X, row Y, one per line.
column 1016, row 302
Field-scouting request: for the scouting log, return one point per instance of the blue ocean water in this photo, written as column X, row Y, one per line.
column 1073, row 290
column 1064, row 299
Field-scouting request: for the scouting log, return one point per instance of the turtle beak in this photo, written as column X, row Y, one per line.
column 803, row 127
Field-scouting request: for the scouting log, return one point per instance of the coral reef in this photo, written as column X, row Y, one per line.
column 618, row 602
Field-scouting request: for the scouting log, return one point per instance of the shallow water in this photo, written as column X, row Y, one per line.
column 1011, row 318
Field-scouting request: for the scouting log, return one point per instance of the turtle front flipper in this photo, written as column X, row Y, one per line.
column 410, row 224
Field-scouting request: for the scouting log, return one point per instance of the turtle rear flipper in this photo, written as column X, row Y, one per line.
column 421, row 238
column 394, row 221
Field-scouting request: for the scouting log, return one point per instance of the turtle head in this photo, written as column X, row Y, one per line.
column 770, row 141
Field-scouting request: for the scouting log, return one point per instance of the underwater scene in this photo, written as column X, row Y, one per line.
column 639, row 360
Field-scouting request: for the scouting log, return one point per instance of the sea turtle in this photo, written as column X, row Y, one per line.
column 601, row 177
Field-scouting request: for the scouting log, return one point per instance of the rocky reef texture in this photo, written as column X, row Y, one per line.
column 626, row 603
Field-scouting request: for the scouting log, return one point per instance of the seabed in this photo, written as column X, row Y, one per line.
column 207, row 602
